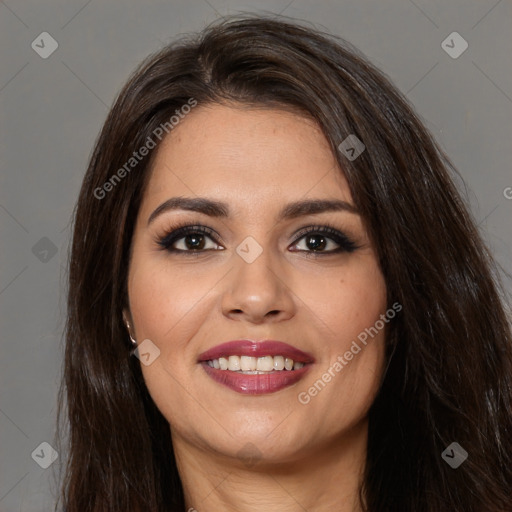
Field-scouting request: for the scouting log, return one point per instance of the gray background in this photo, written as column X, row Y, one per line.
column 52, row 110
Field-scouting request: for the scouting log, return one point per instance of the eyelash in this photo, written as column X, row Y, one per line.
column 181, row 231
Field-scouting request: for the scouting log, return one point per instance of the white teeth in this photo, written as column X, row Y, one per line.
column 253, row 372
column 247, row 363
column 278, row 363
column 265, row 364
column 234, row 363
column 255, row 365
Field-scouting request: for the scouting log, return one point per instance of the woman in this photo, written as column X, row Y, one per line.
column 277, row 298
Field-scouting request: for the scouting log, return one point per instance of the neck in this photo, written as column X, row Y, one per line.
column 320, row 479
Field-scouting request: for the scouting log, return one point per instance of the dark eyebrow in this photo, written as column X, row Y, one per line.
column 219, row 209
column 194, row 204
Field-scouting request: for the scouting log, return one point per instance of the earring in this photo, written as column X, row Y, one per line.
column 130, row 334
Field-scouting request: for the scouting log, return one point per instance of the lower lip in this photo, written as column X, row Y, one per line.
column 256, row 384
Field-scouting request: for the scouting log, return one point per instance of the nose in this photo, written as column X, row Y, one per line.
column 257, row 292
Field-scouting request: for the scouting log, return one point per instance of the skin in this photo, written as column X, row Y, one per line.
column 308, row 456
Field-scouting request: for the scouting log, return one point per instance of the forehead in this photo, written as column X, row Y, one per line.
column 246, row 154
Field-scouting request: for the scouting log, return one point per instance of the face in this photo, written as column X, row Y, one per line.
column 284, row 257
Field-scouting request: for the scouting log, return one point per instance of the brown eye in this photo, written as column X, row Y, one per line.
column 314, row 239
column 189, row 239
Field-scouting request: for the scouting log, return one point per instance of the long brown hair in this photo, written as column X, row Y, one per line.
column 449, row 375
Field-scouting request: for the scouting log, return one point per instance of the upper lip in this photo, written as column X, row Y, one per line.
column 252, row 348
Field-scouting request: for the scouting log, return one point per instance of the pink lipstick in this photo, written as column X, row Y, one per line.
column 255, row 367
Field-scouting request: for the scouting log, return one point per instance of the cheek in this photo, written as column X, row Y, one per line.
column 350, row 369
column 161, row 297
column 166, row 309
column 349, row 302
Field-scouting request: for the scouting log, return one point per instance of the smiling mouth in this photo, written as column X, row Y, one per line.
column 256, row 367
column 249, row 365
